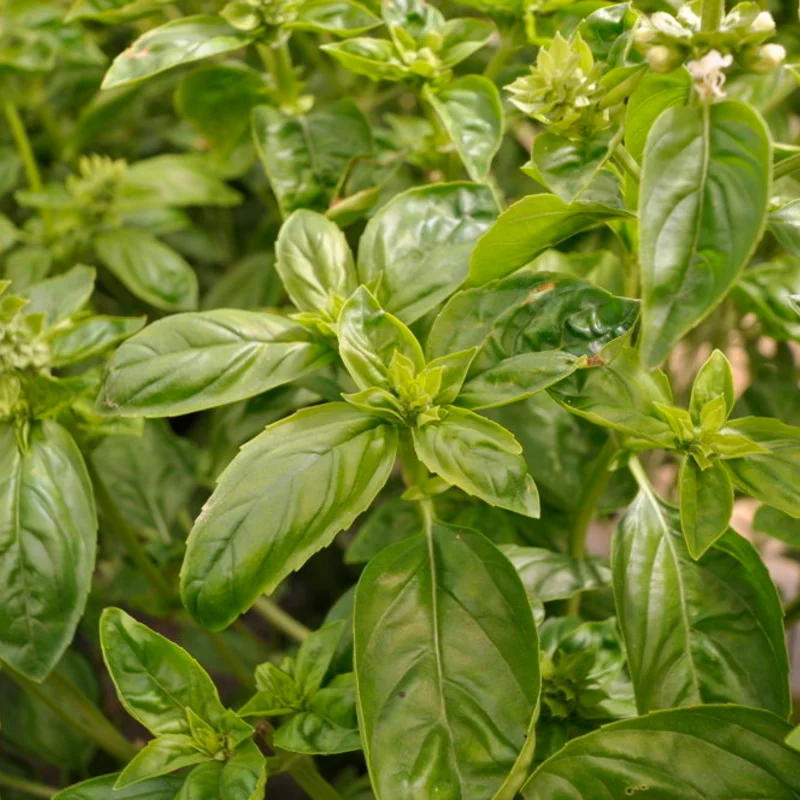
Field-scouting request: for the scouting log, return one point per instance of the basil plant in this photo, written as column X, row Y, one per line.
column 399, row 400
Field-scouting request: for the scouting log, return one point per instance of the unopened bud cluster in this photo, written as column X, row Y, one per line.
column 668, row 41
column 562, row 90
column 21, row 346
column 421, row 57
column 261, row 15
column 96, row 186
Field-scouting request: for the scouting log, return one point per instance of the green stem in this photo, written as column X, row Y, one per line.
column 499, row 58
column 25, row 150
column 75, row 708
column 278, row 60
column 285, row 622
column 127, row 535
column 637, row 470
column 26, row 786
column 593, row 488
column 711, row 14
column 786, row 166
column 627, row 163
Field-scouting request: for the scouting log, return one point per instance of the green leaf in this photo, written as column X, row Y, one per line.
column 180, row 41
column 706, row 502
column 337, row 17
column 778, row 525
column 374, row 58
column 306, row 158
column 575, row 170
column 60, row 297
column 769, row 292
column 156, row 680
column 480, row 457
column 528, row 228
column 448, row 708
column 48, row 529
column 461, row 38
column 315, row 656
column 111, row 11
column 174, row 180
column 151, row 478
column 188, row 362
column 653, row 95
column 102, row 788
column 715, row 379
column 151, row 270
column 391, row 522
column 472, row 114
column 702, row 206
column 278, row 694
column 547, row 575
column 666, row 756
column 369, row 338
column 160, row 756
column 241, row 777
column 218, row 98
column 772, row 478
column 696, row 631
column 415, row 251
column 267, row 515
column 532, row 328
column 784, row 224
column 621, row 396
column 314, row 261
column 90, row 337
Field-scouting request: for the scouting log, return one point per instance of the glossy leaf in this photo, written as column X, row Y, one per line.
column 48, row 529
column 696, row 631
column 373, row 58
column 102, row 788
column 773, row 478
column 180, row 41
column 242, row 546
column 440, row 718
column 90, row 337
column 160, row 756
column 61, row 296
column 547, row 575
column 314, row 261
column 337, row 17
column 307, row 157
column 778, row 525
column 706, row 505
column 665, row 756
column 784, row 223
column 151, row 270
column 391, row 522
column 369, row 338
column 188, row 362
column 241, row 777
column 714, row 379
column 472, row 114
column 156, row 680
column 528, row 228
column 702, row 206
column 415, row 251
column 480, row 457
column 532, row 328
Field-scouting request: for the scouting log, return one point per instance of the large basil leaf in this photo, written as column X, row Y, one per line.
column 151, row 270
column 188, row 362
column 178, row 42
column 447, row 708
column 285, row 496
column 307, row 157
column 532, row 328
column 472, row 114
column 151, row 478
column 102, row 788
column 337, row 17
column 702, row 205
column 622, row 396
column 723, row 752
column 415, row 251
column 528, row 228
column 547, row 575
column 314, row 261
column 480, row 457
column 706, row 631
column 61, row 296
column 156, row 680
column 48, row 531
column 774, row 477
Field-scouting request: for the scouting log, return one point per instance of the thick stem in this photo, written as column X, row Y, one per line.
column 637, row 470
column 626, row 162
column 278, row 61
column 593, row 488
column 127, row 536
column 285, row 622
column 72, row 705
column 711, row 14
column 25, row 786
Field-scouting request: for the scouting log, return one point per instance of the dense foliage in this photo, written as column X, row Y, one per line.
column 329, row 332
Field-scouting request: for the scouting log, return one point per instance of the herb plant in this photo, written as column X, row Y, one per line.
column 336, row 337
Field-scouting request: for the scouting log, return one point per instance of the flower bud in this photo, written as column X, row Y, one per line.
column 763, row 23
column 663, row 59
column 764, row 59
